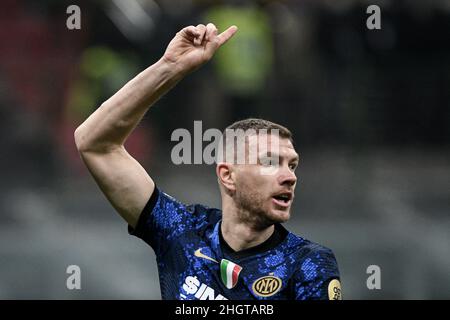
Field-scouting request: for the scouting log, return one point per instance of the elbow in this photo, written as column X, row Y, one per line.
column 86, row 141
column 80, row 139
column 97, row 136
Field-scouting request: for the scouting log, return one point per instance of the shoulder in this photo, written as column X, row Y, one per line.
column 312, row 258
column 168, row 204
column 305, row 247
column 208, row 214
column 165, row 217
column 316, row 274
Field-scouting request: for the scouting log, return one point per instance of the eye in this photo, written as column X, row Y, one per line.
column 293, row 166
column 268, row 162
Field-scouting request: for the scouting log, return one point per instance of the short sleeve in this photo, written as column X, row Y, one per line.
column 162, row 220
column 318, row 277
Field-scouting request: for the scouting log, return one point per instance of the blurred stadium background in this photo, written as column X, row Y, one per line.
column 370, row 111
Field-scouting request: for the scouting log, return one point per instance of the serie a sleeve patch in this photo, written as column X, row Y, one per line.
column 334, row 290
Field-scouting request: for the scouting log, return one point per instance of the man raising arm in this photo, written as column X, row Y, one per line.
column 241, row 251
column 100, row 139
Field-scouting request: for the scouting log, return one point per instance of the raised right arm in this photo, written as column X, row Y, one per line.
column 100, row 138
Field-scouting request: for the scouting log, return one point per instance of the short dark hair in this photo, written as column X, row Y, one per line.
column 258, row 124
column 239, row 130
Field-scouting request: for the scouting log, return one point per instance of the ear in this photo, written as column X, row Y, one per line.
column 225, row 175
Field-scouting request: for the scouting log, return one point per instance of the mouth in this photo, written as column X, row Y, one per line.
column 283, row 199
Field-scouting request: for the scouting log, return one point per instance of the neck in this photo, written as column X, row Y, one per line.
column 241, row 235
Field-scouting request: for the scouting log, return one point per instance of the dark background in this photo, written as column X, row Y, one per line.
column 369, row 109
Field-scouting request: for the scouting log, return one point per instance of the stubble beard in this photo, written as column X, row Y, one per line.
column 252, row 208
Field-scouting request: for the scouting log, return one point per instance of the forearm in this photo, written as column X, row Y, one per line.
column 110, row 125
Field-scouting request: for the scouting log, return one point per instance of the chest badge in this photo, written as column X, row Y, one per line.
column 266, row 286
column 229, row 273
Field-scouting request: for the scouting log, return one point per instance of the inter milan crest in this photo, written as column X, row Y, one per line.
column 229, row 273
column 267, row 286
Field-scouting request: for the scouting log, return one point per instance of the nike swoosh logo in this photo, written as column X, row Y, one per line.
column 198, row 253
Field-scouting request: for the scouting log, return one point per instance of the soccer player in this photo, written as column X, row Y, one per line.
column 239, row 252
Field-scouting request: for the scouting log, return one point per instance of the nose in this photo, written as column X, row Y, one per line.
column 287, row 177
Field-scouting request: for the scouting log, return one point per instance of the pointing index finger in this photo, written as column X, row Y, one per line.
column 226, row 35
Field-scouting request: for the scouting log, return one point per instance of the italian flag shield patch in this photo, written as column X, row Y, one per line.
column 229, row 272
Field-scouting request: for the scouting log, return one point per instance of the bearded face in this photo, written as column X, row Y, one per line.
column 264, row 191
